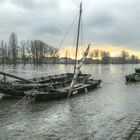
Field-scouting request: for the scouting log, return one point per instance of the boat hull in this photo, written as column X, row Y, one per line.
column 58, row 94
column 49, row 87
column 137, row 70
column 135, row 77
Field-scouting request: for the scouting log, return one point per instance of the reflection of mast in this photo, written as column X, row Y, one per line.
column 77, row 42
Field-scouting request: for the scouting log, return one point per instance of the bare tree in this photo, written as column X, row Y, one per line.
column 38, row 52
column 96, row 54
column 105, row 57
column 124, row 56
column 23, row 56
column 66, row 57
column 91, row 54
column 2, row 53
column 134, row 59
column 9, row 55
column 55, row 55
column 105, row 54
column 13, row 42
column 28, row 50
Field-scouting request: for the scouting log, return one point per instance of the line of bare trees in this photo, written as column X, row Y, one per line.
column 26, row 52
column 37, row 52
column 105, row 57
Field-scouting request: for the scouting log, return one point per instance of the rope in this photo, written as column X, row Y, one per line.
column 82, row 36
column 20, row 105
column 61, row 42
column 74, row 41
column 22, row 102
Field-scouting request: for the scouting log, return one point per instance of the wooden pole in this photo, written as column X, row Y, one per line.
column 13, row 76
column 77, row 72
column 77, row 43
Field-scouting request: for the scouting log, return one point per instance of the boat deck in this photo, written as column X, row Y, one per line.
column 48, row 87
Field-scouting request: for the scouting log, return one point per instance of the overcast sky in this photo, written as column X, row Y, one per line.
column 104, row 21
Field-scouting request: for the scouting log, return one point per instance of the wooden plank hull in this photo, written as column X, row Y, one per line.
column 135, row 77
column 59, row 94
column 49, row 87
column 137, row 70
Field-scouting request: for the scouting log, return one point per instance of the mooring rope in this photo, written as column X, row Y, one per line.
column 70, row 27
column 24, row 101
column 19, row 106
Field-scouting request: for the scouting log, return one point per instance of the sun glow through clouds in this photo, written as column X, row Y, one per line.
column 114, row 50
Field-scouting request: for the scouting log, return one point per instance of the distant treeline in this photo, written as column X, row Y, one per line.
column 37, row 52
column 103, row 57
column 26, row 52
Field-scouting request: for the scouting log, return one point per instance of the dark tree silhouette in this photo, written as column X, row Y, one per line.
column 66, row 56
column 13, row 43
column 124, row 56
column 105, row 57
column 23, row 55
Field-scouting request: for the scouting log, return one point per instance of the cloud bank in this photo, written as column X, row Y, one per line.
column 104, row 22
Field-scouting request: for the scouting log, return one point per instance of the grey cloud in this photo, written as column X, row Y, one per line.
column 36, row 5
column 24, row 4
column 101, row 21
column 115, row 22
column 47, row 29
column 108, row 21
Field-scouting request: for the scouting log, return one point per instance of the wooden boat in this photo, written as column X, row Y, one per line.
column 137, row 70
column 48, row 87
column 54, row 86
column 135, row 77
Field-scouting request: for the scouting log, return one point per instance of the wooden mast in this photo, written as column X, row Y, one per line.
column 77, row 72
column 77, row 42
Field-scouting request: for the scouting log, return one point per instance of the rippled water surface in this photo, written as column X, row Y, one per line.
column 102, row 114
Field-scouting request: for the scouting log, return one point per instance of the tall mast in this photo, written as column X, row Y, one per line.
column 77, row 42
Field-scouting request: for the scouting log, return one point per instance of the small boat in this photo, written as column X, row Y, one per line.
column 135, row 77
column 137, row 70
column 53, row 86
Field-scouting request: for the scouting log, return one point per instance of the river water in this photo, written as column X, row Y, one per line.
column 102, row 114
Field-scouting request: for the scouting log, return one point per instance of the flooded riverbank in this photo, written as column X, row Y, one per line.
column 101, row 114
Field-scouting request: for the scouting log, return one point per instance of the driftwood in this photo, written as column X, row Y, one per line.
column 13, row 76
